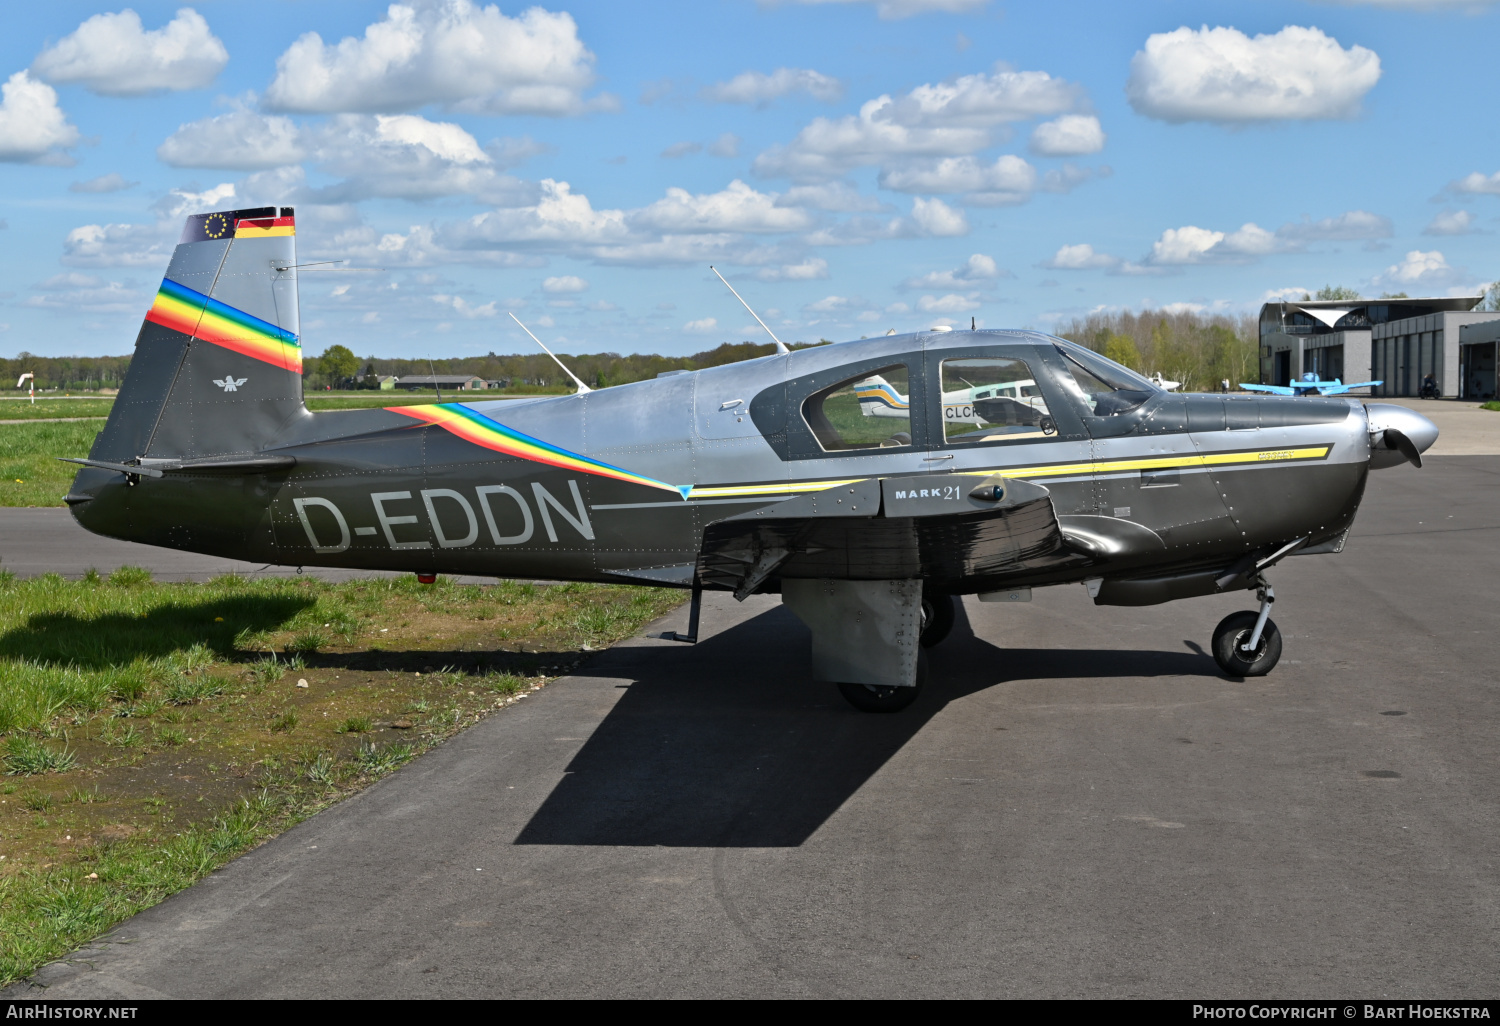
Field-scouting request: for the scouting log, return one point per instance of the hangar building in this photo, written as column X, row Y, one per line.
column 1397, row 341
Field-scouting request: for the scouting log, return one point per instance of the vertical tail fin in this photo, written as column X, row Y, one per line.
column 218, row 362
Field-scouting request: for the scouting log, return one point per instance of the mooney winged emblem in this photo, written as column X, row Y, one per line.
column 230, row 383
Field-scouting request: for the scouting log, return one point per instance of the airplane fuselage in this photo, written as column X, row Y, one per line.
column 620, row 484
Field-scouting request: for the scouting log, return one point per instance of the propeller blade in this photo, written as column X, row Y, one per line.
column 1396, row 440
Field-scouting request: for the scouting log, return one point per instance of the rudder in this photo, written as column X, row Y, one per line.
column 217, row 368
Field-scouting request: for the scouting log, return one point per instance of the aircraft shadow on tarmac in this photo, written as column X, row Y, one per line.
column 728, row 744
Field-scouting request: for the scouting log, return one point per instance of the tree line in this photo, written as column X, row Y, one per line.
column 338, row 367
column 65, row 373
column 1199, row 351
column 1186, row 347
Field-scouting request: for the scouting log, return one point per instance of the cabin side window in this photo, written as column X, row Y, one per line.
column 992, row 399
column 870, row 411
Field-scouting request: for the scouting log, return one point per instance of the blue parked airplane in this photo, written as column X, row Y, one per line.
column 1310, row 384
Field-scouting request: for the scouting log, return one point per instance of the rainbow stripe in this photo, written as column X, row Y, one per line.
column 475, row 427
column 192, row 313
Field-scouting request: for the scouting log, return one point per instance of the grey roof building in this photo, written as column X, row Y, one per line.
column 1478, row 349
column 452, row 382
column 1396, row 341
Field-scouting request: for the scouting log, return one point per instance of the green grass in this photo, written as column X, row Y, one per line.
column 25, row 755
column 1493, row 404
column 47, row 911
column 30, row 474
column 44, row 408
column 145, row 744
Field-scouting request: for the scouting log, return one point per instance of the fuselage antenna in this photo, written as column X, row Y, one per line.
column 781, row 348
column 581, row 386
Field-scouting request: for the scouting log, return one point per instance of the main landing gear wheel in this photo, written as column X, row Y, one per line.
column 1233, row 632
column 877, row 698
column 938, row 614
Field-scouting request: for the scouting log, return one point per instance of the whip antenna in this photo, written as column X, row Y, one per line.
column 780, row 345
column 581, row 386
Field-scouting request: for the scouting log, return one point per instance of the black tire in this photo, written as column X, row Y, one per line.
column 874, row 698
column 938, row 613
column 1233, row 631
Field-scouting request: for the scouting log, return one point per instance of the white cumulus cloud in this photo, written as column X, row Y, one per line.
column 560, row 219
column 758, row 88
column 73, row 292
column 1193, row 245
column 942, row 119
column 1072, row 135
column 949, row 304
column 935, row 218
column 1352, row 225
column 454, row 53
column 113, row 55
column 465, row 309
column 1477, row 183
column 701, row 327
column 242, row 139
column 1008, row 180
column 835, row 196
column 405, row 156
column 1291, row 294
column 980, row 269
column 737, row 208
column 33, row 128
column 117, row 245
column 1452, row 222
column 1419, row 270
column 564, row 283
column 811, row 269
column 1222, row 75
column 1080, row 257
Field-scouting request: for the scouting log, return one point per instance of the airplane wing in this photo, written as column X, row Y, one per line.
column 1341, row 389
column 929, row 526
column 1273, row 389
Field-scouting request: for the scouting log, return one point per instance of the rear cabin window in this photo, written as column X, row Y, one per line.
column 990, row 399
column 869, row 411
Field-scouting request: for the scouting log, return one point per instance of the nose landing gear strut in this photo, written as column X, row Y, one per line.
column 1248, row 644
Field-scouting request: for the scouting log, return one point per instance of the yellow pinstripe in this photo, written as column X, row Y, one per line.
column 1220, row 459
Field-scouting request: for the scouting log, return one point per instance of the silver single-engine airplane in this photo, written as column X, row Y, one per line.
column 999, row 461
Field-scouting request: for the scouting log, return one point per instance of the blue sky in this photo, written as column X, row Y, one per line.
column 852, row 166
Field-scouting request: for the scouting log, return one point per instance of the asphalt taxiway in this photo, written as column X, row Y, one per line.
column 1078, row 805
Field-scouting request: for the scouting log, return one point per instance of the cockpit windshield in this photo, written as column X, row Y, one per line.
column 1106, row 388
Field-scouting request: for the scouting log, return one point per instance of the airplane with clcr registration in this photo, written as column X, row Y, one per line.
column 1004, row 462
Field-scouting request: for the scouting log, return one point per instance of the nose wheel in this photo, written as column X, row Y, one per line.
column 1248, row 644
